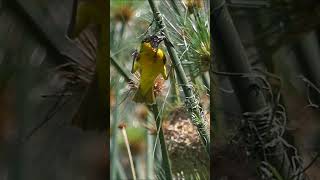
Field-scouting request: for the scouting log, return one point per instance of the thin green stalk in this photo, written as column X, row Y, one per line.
column 175, row 6
column 112, row 32
column 140, row 168
column 165, row 157
column 192, row 76
column 191, row 101
column 124, row 73
column 149, row 156
column 120, row 171
column 121, row 34
column 114, row 150
column 175, row 98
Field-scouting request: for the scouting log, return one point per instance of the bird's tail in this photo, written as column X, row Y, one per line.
column 147, row 97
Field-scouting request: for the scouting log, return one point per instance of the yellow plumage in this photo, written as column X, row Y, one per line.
column 150, row 62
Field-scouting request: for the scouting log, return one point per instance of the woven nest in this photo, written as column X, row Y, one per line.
column 185, row 149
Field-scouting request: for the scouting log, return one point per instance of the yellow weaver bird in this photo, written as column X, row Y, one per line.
column 150, row 62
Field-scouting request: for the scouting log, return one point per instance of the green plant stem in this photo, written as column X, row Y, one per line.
column 175, row 98
column 165, row 157
column 149, row 156
column 175, row 7
column 194, row 110
column 121, row 34
column 114, row 137
column 120, row 171
column 118, row 67
column 112, row 32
